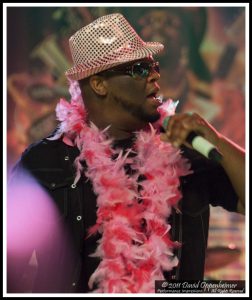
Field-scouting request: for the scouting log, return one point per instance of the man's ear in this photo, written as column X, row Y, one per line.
column 99, row 85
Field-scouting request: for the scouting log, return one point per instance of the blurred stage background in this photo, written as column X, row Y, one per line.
column 203, row 66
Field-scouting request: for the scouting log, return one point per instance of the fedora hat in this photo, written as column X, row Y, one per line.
column 106, row 42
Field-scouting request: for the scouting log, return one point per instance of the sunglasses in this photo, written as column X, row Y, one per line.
column 138, row 70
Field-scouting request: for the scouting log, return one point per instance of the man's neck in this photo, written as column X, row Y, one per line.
column 119, row 134
column 118, row 131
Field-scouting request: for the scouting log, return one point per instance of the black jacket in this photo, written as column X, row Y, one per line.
column 51, row 163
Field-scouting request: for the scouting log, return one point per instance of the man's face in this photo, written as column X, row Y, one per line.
column 134, row 98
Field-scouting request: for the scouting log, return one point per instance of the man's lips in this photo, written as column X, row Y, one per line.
column 155, row 99
column 153, row 92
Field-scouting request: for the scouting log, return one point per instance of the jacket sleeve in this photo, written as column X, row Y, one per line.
column 221, row 190
column 211, row 182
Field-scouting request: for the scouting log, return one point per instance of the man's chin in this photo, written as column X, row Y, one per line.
column 152, row 118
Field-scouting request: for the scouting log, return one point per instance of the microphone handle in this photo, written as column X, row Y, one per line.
column 203, row 146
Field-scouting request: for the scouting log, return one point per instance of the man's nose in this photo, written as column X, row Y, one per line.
column 153, row 76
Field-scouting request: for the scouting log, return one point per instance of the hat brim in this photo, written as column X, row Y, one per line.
column 87, row 69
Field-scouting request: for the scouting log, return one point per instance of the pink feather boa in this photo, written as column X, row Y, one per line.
column 135, row 247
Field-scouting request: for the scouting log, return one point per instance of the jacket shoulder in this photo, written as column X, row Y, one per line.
column 50, row 162
column 48, row 154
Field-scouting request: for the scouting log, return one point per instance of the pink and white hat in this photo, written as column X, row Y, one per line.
column 106, row 42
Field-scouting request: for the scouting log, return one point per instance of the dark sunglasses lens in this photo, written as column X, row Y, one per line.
column 143, row 69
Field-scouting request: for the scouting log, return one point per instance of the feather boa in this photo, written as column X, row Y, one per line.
column 135, row 247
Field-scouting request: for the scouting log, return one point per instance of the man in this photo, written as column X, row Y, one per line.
column 136, row 207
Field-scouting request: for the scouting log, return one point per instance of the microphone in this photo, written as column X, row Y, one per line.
column 199, row 144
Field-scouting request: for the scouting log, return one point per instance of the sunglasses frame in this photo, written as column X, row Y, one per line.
column 129, row 70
